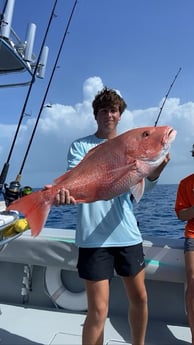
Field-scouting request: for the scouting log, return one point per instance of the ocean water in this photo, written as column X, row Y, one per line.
column 155, row 214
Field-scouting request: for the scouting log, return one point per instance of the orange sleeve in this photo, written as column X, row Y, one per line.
column 184, row 195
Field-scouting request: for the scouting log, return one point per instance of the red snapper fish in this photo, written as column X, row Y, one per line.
column 107, row 170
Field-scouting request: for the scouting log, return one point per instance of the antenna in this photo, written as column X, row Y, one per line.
column 7, row 19
column 30, row 36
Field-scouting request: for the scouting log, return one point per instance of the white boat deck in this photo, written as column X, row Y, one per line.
column 26, row 326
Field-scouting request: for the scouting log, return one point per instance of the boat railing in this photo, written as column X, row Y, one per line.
column 7, row 221
column 6, row 240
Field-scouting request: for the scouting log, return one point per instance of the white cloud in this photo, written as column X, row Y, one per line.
column 91, row 87
column 61, row 124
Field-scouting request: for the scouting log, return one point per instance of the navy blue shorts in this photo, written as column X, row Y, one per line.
column 100, row 263
column 189, row 245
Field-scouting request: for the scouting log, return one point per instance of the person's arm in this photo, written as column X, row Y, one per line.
column 152, row 179
column 75, row 154
column 186, row 213
column 183, row 203
column 155, row 175
column 183, row 207
column 63, row 197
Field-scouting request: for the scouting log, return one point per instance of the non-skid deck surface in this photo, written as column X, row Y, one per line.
column 26, row 326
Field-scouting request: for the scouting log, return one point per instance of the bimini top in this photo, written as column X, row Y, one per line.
column 10, row 60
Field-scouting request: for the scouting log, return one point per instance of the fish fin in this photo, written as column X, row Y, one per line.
column 138, row 190
column 61, row 178
column 35, row 208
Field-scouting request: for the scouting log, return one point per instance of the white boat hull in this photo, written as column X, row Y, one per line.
column 41, row 287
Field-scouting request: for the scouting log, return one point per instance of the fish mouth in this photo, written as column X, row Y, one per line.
column 167, row 139
column 169, row 136
column 172, row 133
column 166, row 142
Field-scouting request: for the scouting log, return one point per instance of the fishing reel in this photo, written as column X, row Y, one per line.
column 14, row 191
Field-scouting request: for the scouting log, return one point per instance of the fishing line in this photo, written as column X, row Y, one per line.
column 167, row 96
column 6, row 165
column 46, row 92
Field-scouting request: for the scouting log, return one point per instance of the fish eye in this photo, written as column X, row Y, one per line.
column 146, row 134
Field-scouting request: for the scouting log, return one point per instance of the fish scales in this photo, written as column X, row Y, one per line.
column 114, row 167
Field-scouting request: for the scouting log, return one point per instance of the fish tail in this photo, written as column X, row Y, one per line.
column 35, row 207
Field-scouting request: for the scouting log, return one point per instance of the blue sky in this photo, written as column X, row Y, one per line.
column 134, row 46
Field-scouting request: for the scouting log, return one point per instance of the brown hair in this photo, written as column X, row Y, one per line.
column 108, row 97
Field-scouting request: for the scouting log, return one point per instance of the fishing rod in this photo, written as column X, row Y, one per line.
column 46, row 92
column 6, row 164
column 167, row 96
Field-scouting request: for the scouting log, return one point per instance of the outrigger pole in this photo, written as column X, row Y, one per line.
column 166, row 97
column 6, row 165
column 46, row 92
